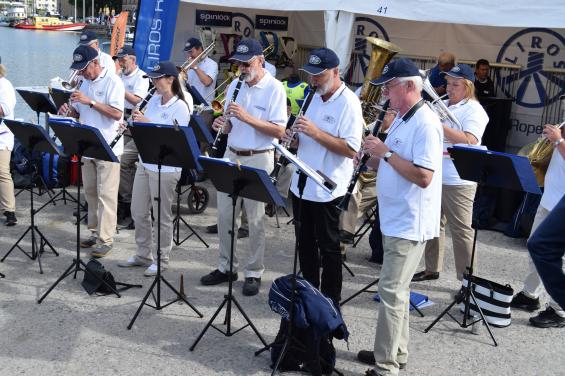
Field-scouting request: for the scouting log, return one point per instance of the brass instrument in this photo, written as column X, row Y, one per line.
column 539, row 153
column 437, row 105
column 381, row 53
column 189, row 63
column 72, row 82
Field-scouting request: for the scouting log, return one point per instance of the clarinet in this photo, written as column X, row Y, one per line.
column 141, row 107
column 361, row 166
column 220, row 134
column 275, row 174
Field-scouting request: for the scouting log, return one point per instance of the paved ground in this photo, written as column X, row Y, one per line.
column 72, row 333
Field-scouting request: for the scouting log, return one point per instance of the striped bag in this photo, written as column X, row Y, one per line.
column 494, row 300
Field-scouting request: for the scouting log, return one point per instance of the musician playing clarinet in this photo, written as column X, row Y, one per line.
column 167, row 106
column 99, row 102
column 327, row 136
column 257, row 117
column 408, row 168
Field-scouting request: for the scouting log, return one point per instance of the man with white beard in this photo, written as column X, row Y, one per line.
column 328, row 136
column 257, row 117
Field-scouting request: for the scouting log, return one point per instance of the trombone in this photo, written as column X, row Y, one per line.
column 189, row 63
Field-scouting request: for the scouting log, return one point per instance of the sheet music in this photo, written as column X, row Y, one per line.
column 325, row 183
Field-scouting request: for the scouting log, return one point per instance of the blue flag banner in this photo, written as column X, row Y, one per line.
column 154, row 32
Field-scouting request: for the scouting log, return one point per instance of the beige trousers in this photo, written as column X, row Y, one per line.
column 360, row 202
column 457, row 213
column 7, row 198
column 101, row 180
column 145, row 190
column 401, row 258
column 128, row 163
column 255, row 211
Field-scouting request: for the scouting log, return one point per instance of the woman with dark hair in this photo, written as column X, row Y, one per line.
column 457, row 194
column 167, row 105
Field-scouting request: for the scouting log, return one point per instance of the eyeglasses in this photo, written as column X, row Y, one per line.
column 245, row 64
column 387, row 86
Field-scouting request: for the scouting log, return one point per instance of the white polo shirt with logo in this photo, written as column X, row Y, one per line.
column 106, row 89
column 8, row 103
column 107, row 62
column 135, row 84
column 266, row 100
column 474, row 120
column 210, row 68
column 407, row 211
column 174, row 109
column 340, row 116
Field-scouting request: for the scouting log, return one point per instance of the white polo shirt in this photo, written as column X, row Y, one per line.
column 554, row 183
column 107, row 89
column 407, row 211
column 271, row 69
column 265, row 100
column 106, row 61
column 210, row 68
column 8, row 103
column 474, row 120
column 135, row 84
column 340, row 116
column 174, row 109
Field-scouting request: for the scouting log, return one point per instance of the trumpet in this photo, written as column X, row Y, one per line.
column 275, row 174
column 344, row 204
column 73, row 82
column 140, row 107
column 189, row 63
column 220, row 133
column 439, row 107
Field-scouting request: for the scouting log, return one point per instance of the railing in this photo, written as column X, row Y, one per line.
column 554, row 104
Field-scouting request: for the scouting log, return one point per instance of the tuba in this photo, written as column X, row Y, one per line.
column 381, row 53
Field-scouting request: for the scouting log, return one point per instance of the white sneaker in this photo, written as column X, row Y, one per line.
column 133, row 261
column 152, row 270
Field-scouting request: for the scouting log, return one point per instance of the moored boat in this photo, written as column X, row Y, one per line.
column 49, row 23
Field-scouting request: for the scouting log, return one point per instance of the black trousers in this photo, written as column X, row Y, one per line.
column 319, row 245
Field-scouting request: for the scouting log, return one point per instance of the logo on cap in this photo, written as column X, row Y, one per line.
column 385, row 69
column 83, row 37
column 456, row 68
column 243, row 49
column 156, row 68
column 78, row 57
column 121, row 51
column 187, row 45
column 314, row 60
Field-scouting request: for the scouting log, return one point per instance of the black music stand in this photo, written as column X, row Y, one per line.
column 84, row 141
column 487, row 169
column 38, row 101
column 171, row 146
column 304, row 172
column 237, row 181
column 202, row 134
column 35, row 139
column 60, row 96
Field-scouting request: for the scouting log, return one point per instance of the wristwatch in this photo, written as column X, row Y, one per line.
column 388, row 154
column 556, row 143
column 92, row 103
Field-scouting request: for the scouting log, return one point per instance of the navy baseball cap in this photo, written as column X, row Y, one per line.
column 82, row 56
column 164, row 68
column 319, row 60
column 87, row 37
column 124, row 51
column 461, row 71
column 399, row 68
column 192, row 43
column 246, row 50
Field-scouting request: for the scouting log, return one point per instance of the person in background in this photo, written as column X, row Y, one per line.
column 484, row 87
column 445, row 61
column 89, row 38
column 7, row 105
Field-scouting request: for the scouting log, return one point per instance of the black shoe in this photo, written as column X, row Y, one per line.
column 368, row 357
column 548, row 319
column 212, row 229
column 11, row 219
column 242, row 233
column 251, row 286
column 346, row 237
column 521, row 301
column 372, row 372
column 425, row 276
column 216, row 277
column 270, row 210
